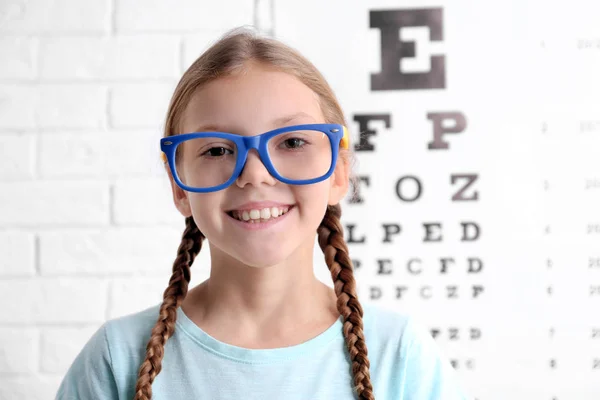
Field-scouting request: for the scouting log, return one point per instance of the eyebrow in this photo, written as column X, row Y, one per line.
column 288, row 118
column 277, row 122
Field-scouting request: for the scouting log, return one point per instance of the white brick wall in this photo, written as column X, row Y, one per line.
column 21, row 356
column 129, row 58
column 188, row 16
column 18, row 57
column 88, row 229
column 42, row 17
column 17, row 250
column 17, row 152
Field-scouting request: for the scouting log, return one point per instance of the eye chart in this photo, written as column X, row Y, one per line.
column 477, row 133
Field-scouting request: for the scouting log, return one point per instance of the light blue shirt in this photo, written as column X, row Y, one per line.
column 406, row 364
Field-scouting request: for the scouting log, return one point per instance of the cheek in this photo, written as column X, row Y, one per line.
column 205, row 207
column 313, row 198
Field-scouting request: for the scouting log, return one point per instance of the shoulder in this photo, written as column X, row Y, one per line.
column 400, row 346
column 400, row 328
column 384, row 325
column 111, row 355
column 127, row 337
column 131, row 329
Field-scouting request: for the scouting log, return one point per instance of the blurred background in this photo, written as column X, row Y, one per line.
column 477, row 131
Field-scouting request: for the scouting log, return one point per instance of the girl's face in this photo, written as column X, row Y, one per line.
column 250, row 103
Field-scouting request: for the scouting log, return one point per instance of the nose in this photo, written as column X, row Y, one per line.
column 254, row 172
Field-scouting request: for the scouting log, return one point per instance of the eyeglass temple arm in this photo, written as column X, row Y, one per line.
column 344, row 143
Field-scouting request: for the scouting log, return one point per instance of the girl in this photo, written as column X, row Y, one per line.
column 258, row 157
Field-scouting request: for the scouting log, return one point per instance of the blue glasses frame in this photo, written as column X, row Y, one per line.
column 337, row 134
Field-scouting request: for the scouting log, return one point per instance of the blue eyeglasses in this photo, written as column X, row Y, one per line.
column 211, row 161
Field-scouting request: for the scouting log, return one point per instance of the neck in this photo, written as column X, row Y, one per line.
column 249, row 304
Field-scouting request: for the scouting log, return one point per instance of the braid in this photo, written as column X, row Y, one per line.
column 335, row 249
column 191, row 243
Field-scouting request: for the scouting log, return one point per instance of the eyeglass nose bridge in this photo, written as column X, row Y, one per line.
column 252, row 142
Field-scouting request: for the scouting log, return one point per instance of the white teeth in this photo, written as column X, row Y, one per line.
column 257, row 215
column 254, row 214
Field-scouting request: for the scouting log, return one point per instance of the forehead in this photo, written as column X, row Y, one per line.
column 251, row 102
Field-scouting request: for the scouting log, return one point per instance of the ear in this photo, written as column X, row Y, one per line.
column 339, row 180
column 180, row 196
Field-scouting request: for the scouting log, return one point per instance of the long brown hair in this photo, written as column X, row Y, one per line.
column 228, row 55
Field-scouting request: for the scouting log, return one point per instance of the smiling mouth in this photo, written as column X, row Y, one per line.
column 259, row 215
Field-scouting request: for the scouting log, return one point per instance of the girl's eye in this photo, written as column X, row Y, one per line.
column 293, row 143
column 217, row 152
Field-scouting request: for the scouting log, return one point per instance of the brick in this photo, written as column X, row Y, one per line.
column 115, row 251
column 72, row 106
column 157, row 208
column 34, row 204
column 59, row 347
column 53, row 300
column 160, row 15
column 121, row 57
column 29, row 387
column 140, row 105
column 18, row 57
column 17, row 156
column 18, row 253
column 101, row 154
column 19, row 351
column 57, row 16
column 18, row 107
column 52, row 106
